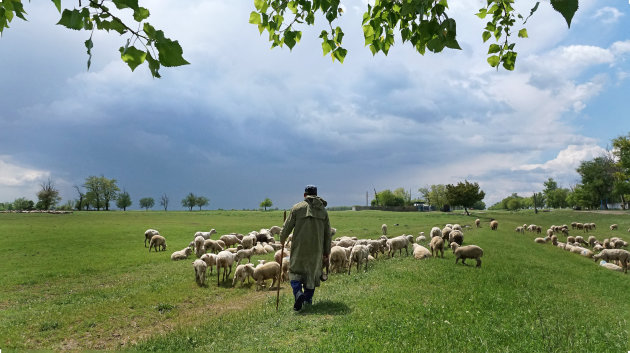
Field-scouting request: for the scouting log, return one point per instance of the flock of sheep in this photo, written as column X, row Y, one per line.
column 230, row 249
column 611, row 251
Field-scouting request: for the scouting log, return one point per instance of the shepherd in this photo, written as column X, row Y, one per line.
column 310, row 245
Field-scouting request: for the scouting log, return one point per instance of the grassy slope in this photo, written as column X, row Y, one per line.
column 92, row 285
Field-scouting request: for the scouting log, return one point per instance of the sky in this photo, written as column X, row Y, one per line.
column 244, row 122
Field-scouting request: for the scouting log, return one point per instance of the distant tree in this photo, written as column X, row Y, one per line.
column 146, row 203
column 479, row 205
column 513, row 204
column 110, row 191
column 434, row 195
column 100, row 191
column 388, row 199
column 68, row 206
column 621, row 150
column 201, row 201
column 164, row 201
column 266, row 203
column 23, row 204
column 48, row 195
column 189, row 201
column 598, row 178
column 80, row 202
column 124, row 200
column 579, row 196
column 464, row 194
column 6, row 206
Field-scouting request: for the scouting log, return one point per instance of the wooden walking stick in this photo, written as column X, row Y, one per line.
column 281, row 261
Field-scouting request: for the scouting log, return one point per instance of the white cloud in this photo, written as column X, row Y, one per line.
column 608, row 14
column 18, row 181
column 567, row 160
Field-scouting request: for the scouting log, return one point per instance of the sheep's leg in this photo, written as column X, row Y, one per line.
column 218, row 271
column 463, row 261
column 366, row 263
column 456, row 259
column 349, row 266
column 478, row 262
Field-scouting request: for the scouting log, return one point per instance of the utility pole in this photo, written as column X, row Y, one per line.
column 366, row 199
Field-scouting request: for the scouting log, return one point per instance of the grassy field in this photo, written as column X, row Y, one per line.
column 84, row 281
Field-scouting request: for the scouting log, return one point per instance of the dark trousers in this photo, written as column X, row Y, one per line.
column 299, row 288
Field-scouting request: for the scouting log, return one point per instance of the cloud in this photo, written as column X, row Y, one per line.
column 18, row 181
column 608, row 15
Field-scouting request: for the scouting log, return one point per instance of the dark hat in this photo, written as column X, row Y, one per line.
column 310, row 190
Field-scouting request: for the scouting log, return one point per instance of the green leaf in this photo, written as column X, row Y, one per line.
column 57, row 4
column 254, row 18
column 494, row 48
column 522, row 33
column 132, row 56
column 368, row 33
column 494, row 60
column 339, row 54
column 452, row 44
column 567, row 9
column 72, row 19
column 485, row 36
column 259, row 4
column 141, row 14
column 154, row 66
column 509, row 60
column 170, row 52
column 289, row 39
column 89, row 45
column 326, row 47
column 123, row 4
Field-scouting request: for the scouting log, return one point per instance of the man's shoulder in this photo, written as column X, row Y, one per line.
column 299, row 205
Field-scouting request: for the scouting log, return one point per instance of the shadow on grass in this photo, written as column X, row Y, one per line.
column 326, row 307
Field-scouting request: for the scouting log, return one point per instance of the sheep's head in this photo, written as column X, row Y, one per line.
column 596, row 257
column 188, row 251
column 454, row 246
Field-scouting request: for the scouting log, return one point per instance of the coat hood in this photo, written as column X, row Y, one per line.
column 316, row 206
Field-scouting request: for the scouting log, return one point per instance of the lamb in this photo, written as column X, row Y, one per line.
column 148, row 234
column 243, row 254
column 259, row 249
column 249, row 241
column 212, row 245
column 225, row 260
column 269, row 270
column 446, row 232
column 421, row 239
column 346, row 242
column 457, row 227
column 610, row 266
column 550, row 232
column 206, row 235
column 467, row 252
column 157, row 241
column 614, row 227
column 358, row 254
column 376, row 246
column 494, row 225
column 181, row 254
column 437, row 243
column 420, row 252
column 200, row 271
column 456, row 236
column 230, row 239
column 338, row 258
column 519, row 230
column 436, row 232
column 275, row 230
column 540, row 240
column 591, row 241
column 621, row 255
column 280, row 254
column 221, row 243
column 384, row 229
column 478, row 223
column 397, row 243
column 200, row 247
column 243, row 272
column 570, row 240
column 210, row 260
column 580, row 240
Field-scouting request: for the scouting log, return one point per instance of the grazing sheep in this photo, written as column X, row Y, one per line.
column 268, row 248
column 200, row 271
column 206, row 235
column 338, row 259
column 494, row 225
column 157, row 241
column 591, row 241
column 243, row 254
column 579, row 239
column 608, row 244
column 200, row 247
column 598, row 248
column 478, row 223
column 467, row 252
column 621, row 255
column 268, row 270
column 358, row 254
column 210, row 260
column 420, row 252
column 550, row 232
column 436, row 232
column 230, row 239
column 212, row 245
column 281, row 254
column 446, row 233
column 457, row 227
column 421, row 239
column 181, row 254
column 148, row 234
column 456, row 236
column 275, row 230
column 570, row 240
column 242, row 273
column 397, row 243
column 286, row 266
column 614, row 227
column 519, row 230
column 384, row 229
column 538, row 229
column 437, row 243
column 225, row 260
column 346, row 242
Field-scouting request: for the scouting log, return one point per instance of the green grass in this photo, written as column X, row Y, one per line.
column 85, row 281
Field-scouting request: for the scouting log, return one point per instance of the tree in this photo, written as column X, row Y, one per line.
column 266, row 203
column 621, row 150
column 110, row 191
column 189, row 201
column 388, row 199
column 201, row 201
column 513, row 204
column 23, row 204
column 100, row 191
column 425, row 24
column 48, row 195
column 435, row 195
column 80, row 202
column 146, row 203
column 598, row 178
column 464, row 194
column 164, row 202
column 124, row 200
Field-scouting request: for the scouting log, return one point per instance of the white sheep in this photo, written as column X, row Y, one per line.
column 456, row 236
column 206, row 235
column 210, row 260
column 243, row 272
column 384, row 229
column 397, row 243
column 346, row 242
column 286, row 265
column 244, row 254
column 230, row 239
column 436, row 232
column 212, row 246
column 148, row 234
column 420, row 252
column 358, row 254
column 437, row 243
column 614, row 227
column 280, row 254
column 181, row 254
column 200, row 247
column 621, row 255
column 519, row 230
column 268, row 270
column 478, row 223
column 494, row 225
column 610, row 266
column 467, row 252
column 457, row 227
column 421, row 239
column 338, row 258
column 157, row 241
column 249, row 241
column 259, row 249
column 275, row 230
column 200, row 267
column 225, row 260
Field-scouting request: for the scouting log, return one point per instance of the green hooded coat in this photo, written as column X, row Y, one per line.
column 311, row 239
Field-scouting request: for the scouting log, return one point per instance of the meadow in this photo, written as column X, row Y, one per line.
column 85, row 281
